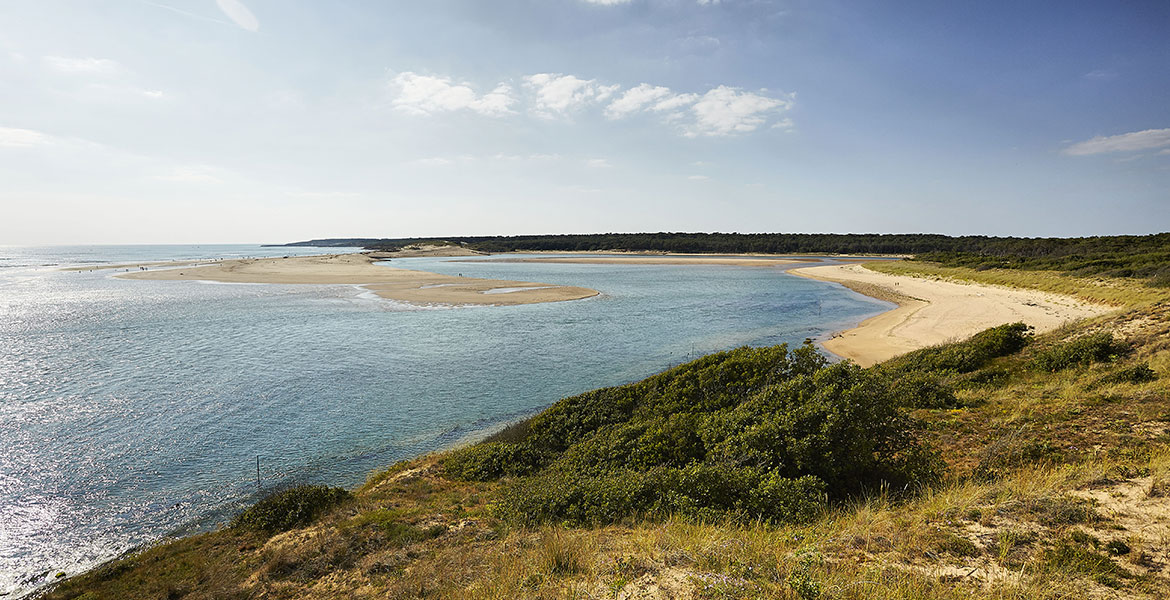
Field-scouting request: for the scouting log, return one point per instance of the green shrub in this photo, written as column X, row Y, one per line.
column 963, row 357
column 1139, row 373
column 489, row 460
column 922, row 390
column 704, row 492
column 1082, row 351
column 295, row 507
column 760, row 433
column 988, row 376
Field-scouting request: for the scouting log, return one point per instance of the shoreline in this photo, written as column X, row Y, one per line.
column 929, row 312
column 732, row 260
column 392, row 283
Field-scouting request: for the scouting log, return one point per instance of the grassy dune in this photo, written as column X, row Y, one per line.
column 1107, row 290
column 1056, row 485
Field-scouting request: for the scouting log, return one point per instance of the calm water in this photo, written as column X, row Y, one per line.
column 131, row 410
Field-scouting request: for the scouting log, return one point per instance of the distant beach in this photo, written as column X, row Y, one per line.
column 933, row 312
column 406, row 285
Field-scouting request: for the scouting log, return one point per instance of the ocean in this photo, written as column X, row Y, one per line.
column 135, row 410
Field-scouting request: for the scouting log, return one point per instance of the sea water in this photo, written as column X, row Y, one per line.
column 132, row 410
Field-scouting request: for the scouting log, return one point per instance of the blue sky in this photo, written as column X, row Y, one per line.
column 189, row 121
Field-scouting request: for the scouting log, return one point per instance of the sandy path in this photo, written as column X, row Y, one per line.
column 933, row 312
column 406, row 285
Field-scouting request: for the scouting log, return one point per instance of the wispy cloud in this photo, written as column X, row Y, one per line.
column 22, row 138
column 635, row 99
column 598, row 163
column 1125, row 142
column 726, row 111
column 428, row 94
column 239, row 14
column 559, row 94
column 83, row 66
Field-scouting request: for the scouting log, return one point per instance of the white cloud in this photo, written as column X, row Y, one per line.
column 1125, row 142
column 728, row 111
column 720, row 111
column 556, row 93
column 607, row 2
column 673, row 102
column 83, row 66
column 698, row 178
column 635, row 99
column 239, row 14
column 426, row 95
column 598, row 163
column 21, row 138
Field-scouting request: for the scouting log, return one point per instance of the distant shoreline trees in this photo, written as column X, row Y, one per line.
column 1143, row 257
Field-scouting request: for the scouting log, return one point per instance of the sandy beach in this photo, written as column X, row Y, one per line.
column 419, row 287
column 932, row 312
column 661, row 259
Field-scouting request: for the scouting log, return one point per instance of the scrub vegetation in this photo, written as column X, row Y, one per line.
column 1009, row 465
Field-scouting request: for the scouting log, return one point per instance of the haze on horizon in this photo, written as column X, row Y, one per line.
column 204, row 121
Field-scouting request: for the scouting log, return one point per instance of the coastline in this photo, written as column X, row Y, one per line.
column 733, row 260
column 931, row 312
column 404, row 285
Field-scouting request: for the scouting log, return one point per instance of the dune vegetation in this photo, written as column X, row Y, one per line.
column 1008, row 465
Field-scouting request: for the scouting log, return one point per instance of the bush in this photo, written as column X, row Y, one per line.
column 489, row 460
column 966, row 356
column 760, row 433
column 704, row 492
column 1083, row 351
column 295, row 507
column 1139, row 373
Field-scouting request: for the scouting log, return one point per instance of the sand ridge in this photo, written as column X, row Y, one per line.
column 933, row 312
column 405, row 285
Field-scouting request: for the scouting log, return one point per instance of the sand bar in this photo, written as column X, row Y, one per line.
column 419, row 287
column 932, row 311
column 660, row 259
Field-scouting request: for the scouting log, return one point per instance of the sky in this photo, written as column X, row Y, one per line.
column 266, row 121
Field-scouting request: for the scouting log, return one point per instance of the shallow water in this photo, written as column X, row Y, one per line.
column 131, row 410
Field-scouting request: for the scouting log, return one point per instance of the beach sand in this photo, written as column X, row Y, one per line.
column 419, row 287
column 661, row 259
column 932, row 312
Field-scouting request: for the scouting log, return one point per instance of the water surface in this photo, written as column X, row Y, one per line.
column 131, row 410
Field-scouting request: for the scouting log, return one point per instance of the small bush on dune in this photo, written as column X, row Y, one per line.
column 1081, row 352
column 295, row 507
column 966, row 356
